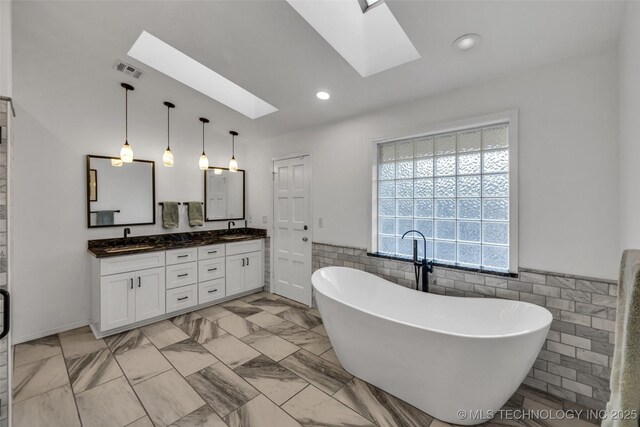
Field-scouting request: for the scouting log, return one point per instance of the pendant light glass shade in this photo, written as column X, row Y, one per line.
column 233, row 163
column 167, row 156
column 126, row 152
column 203, row 162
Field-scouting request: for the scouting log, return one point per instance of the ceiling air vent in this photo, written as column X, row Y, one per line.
column 129, row 70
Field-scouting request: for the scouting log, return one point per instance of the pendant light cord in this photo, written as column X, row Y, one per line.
column 202, row 137
column 233, row 146
column 168, row 110
column 126, row 115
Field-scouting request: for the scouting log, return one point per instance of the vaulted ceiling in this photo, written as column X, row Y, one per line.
column 267, row 48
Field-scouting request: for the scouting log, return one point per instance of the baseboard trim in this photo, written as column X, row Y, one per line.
column 41, row 334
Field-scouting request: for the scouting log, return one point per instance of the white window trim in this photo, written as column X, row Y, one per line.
column 510, row 117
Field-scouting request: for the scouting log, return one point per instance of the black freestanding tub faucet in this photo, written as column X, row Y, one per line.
column 425, row 267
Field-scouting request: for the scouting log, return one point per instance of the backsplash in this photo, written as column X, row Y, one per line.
column 575, row 361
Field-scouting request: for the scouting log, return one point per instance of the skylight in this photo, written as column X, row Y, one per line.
column 367, row 4
column 370, row 42
column 163, row 57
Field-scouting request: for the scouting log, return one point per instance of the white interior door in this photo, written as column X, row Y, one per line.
column 292, row 228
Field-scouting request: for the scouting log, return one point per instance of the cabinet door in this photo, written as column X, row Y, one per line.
column 150, row 293
column 253, row 272
column 117, row 301
column 235, row 274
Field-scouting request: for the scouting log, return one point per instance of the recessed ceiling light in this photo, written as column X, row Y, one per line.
column 323, row 95
column 467, row 42
column 157, row 54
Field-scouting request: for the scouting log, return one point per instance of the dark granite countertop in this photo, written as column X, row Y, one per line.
column 105, row 248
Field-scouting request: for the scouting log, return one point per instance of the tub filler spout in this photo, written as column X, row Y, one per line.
column 421, row 268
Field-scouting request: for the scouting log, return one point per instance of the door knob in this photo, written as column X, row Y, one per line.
column 304, row 239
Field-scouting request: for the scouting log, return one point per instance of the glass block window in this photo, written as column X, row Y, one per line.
column 452, row 187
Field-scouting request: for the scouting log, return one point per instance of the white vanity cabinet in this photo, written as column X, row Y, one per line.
column 127, row 297
column 211, row 273
column 132, row 290
column 244, row 269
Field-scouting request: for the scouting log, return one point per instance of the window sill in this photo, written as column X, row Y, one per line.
column 450, row 266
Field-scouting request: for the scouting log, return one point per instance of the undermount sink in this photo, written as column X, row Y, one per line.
column 236, row 236
column 128, row 248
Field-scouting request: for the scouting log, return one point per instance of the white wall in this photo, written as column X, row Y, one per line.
column 630, row 128
column 567, row 163
column 51, row 272
column 5, row 48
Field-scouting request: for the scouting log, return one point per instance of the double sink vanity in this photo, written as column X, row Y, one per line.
column 143, row 279
column 140, row 280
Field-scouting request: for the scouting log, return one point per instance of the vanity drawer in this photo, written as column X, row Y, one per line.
column 211, row 251
column 181, row 298
column 125, row 263
column 210, row 269
column 244, row 247
column 182, row 274
column 180, row 256
column 210, row 291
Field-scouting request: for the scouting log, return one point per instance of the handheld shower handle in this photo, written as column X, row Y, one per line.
column 415, row 250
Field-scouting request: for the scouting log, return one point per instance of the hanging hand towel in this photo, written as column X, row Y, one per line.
column 625, row 370
column 104, row 217
column 195, row 214
column 170, row 215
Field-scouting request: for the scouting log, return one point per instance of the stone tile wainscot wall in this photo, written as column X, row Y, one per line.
column 5, row 117
column 267, row 264
column 575, row 361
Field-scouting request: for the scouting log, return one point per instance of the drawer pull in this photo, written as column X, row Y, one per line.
column 247, row 261
column 243, row 261
column 212, row 269
column 213, row 290
column 212, row 252
column 183, row 275
column 182, row 298
column 183, row 256
column 132, row 283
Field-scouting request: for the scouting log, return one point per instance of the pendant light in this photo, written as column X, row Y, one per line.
column 167, row 157
column 233, row 163
column 126, row 152
column 203, row 162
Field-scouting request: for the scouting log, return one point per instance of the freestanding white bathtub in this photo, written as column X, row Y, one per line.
column 441, row 354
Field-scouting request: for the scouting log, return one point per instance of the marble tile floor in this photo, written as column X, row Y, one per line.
column 261, row 360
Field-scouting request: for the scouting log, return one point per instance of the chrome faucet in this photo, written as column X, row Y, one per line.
column 424, row 265
column 229, row 224
column 127, row 231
